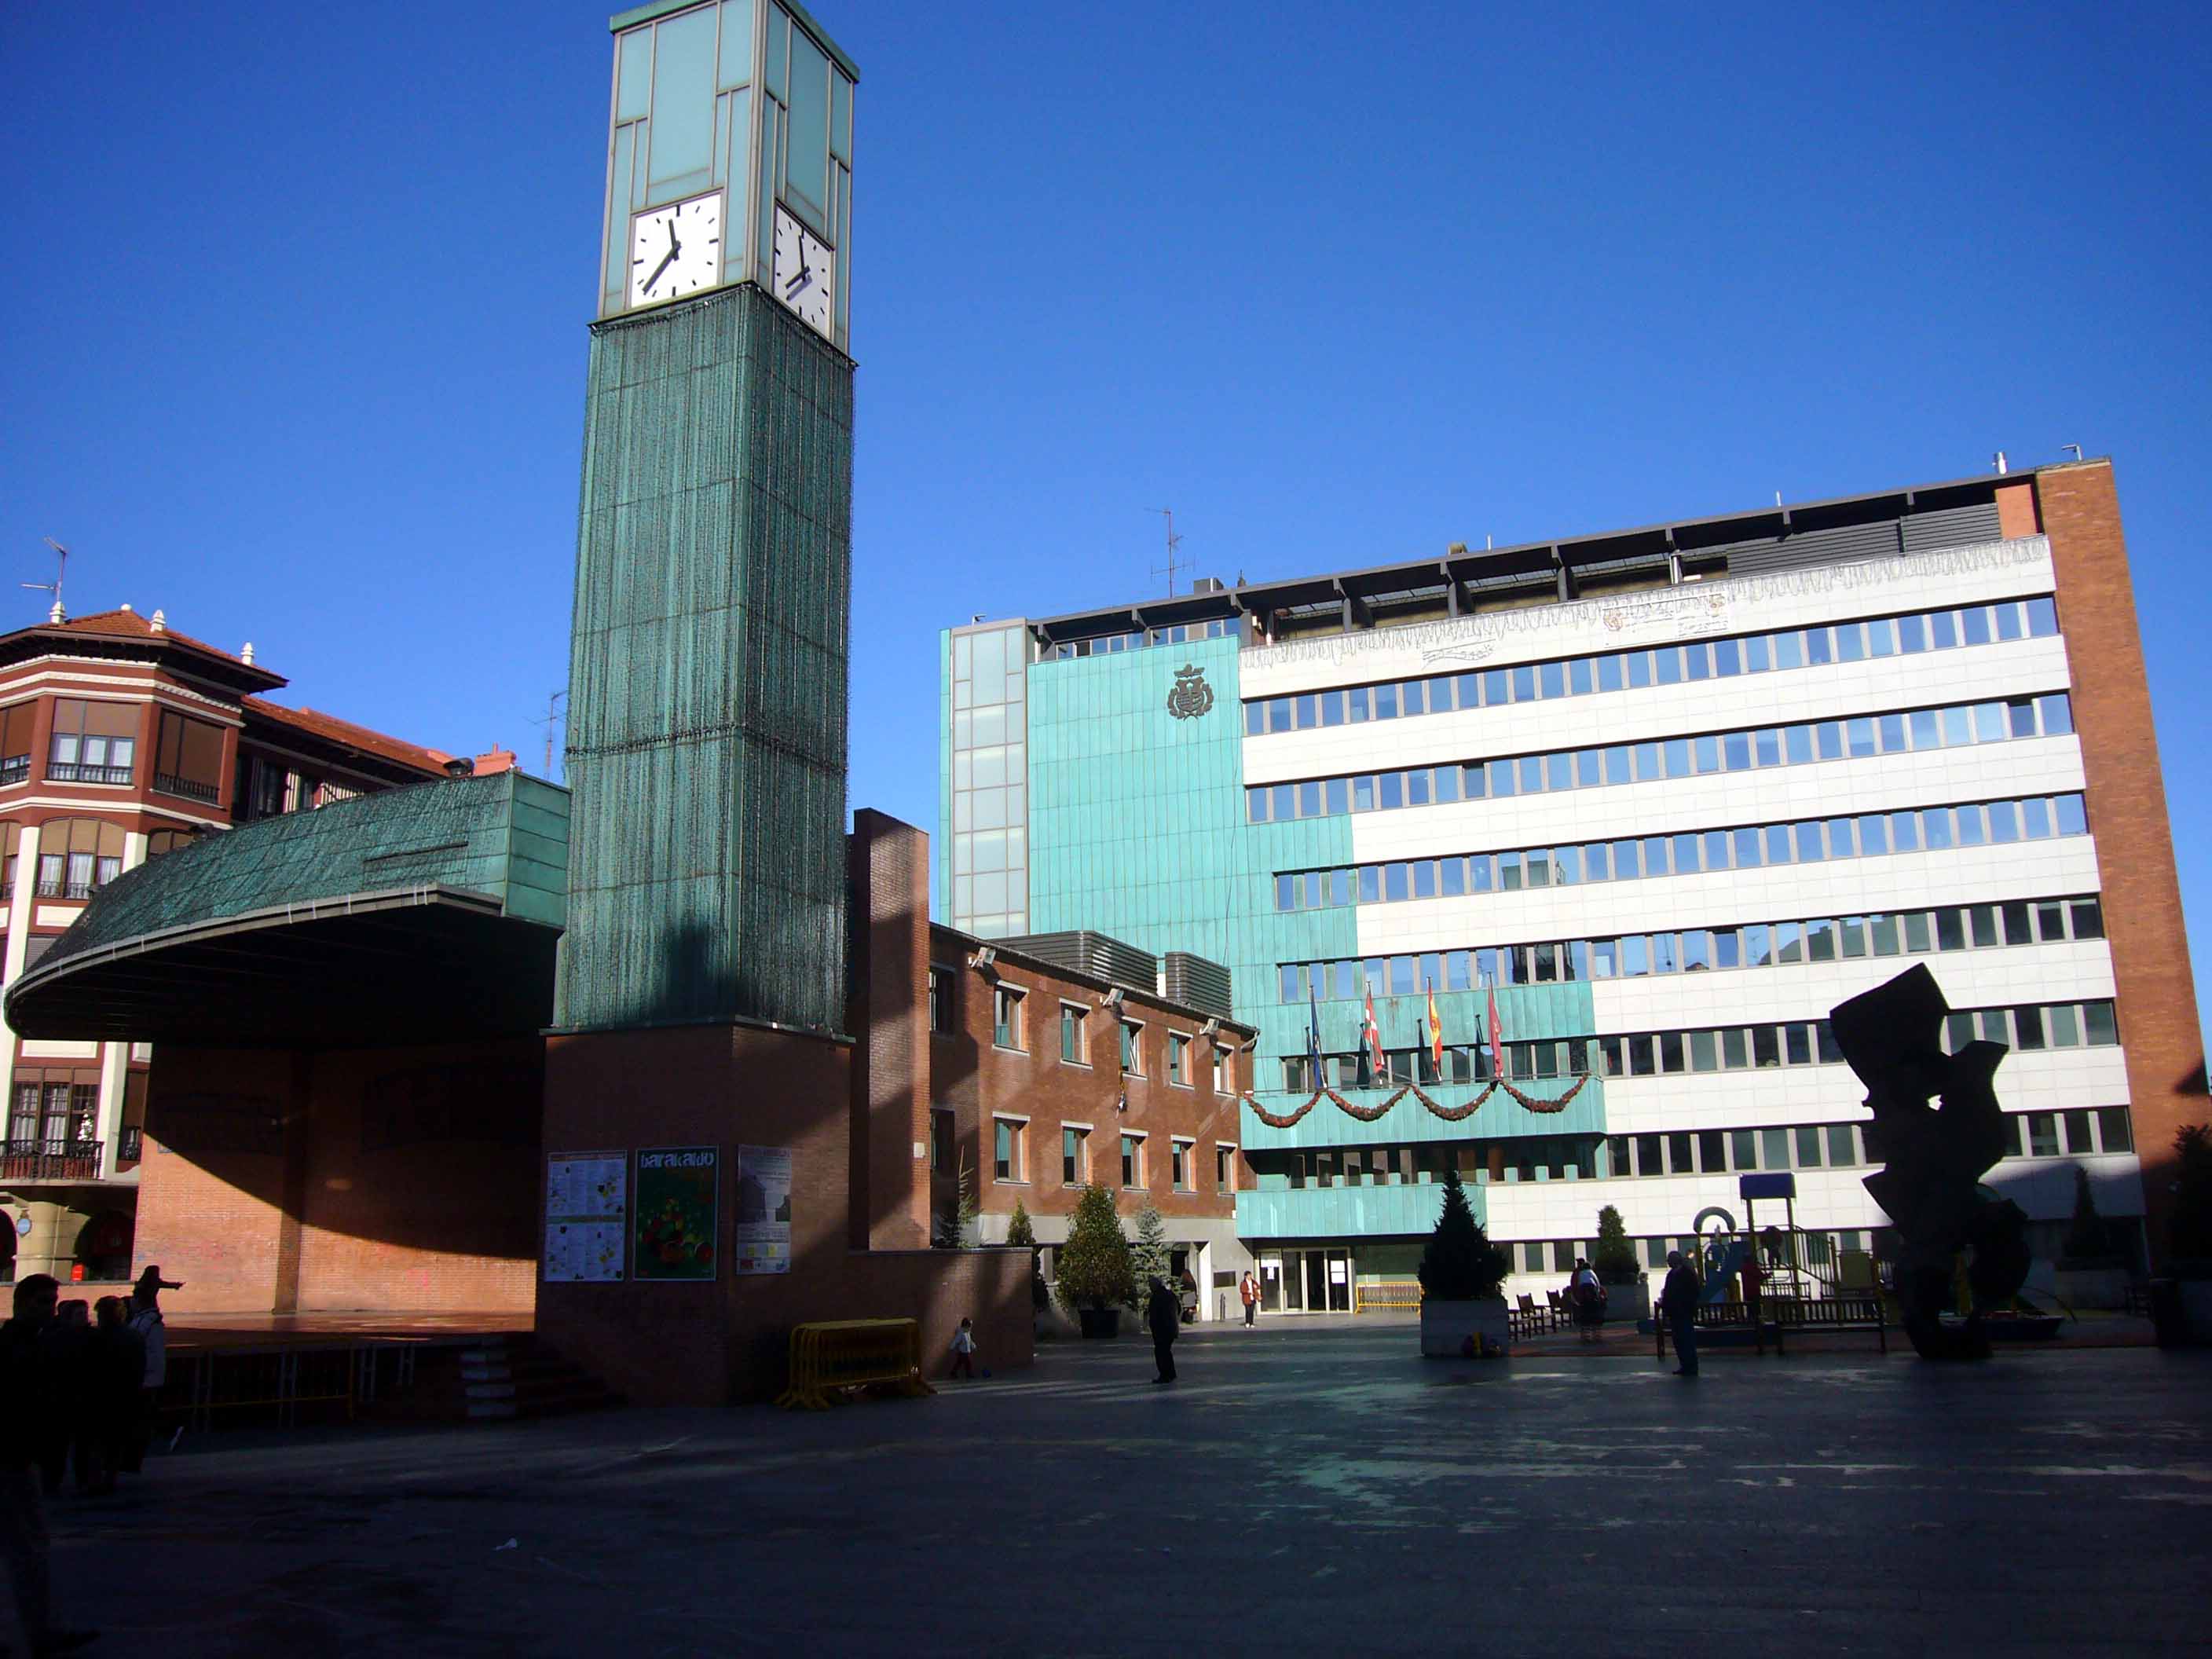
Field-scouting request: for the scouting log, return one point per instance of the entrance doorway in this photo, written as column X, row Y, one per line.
column 1306, row 1281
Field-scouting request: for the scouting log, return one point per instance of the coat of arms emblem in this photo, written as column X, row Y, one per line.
column 1190, row 695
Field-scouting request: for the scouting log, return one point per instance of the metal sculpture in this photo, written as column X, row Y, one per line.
column 1934, row 1158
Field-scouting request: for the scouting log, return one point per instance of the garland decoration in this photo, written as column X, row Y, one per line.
column 1527, row 1102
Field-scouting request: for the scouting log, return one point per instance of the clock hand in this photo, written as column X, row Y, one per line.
column 666, row 259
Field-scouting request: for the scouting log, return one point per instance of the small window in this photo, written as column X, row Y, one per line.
column 16, row 742
column 1133, row 1048
column 1178, row 1059
column 1179, row 1153
column 942, row 982
column 1074, row 1040
column 188, row 757
column 1224, row 1167
column 1006, row 1017
column 93, row 741
column 1006, row 1138
column 1074, row 1157
column 1133, row 1161
column 940, row 1139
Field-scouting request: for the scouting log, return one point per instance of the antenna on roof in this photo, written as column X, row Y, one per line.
column 1174, row 541
column 552, row 720
column 54, row 587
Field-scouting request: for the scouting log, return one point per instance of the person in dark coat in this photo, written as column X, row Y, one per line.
column 67, row 1357
column 1166, row 1321
column 1678, row 1306
column 25, row 1402
column 118, row 1364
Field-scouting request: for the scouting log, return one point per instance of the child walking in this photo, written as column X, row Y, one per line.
column 964, row 1350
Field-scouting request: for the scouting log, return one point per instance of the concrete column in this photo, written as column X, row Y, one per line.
column 114, row 1057
column 22, row 904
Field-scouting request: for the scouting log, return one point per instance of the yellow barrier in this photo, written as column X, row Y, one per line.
column 838, row 1354
column 1401, row 1296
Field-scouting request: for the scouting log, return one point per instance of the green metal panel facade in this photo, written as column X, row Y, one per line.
column 1136, row 824
column 1346, row 1212
column 708, row 678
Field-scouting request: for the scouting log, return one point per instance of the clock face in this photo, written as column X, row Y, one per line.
column 675, row 250
column 804, row 272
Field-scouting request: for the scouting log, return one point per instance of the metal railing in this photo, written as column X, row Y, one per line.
column 170, row 784
column 79, row 772
column 31, row 1157
column 1398, row 1295
column 15, row 768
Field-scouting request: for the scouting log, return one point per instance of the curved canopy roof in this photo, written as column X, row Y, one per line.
column 411, row 915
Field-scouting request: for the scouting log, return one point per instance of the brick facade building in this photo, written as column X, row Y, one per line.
column 1044, row 1080
column 122, row 739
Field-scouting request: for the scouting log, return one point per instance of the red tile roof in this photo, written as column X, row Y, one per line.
column 129, row 624
column 330, row 729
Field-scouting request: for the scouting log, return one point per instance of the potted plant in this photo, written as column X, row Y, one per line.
column 2092, row 1271
column 1463, row 1274
column 1627, row 1291
column 1094, row 1280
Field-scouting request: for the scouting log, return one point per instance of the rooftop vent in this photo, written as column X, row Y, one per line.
column 460, row 766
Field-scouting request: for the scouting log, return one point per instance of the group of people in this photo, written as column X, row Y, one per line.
column 77, row 1389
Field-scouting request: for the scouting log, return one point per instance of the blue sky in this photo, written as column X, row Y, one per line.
column 297, row 299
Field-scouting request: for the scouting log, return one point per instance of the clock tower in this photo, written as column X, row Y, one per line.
column 707, row 734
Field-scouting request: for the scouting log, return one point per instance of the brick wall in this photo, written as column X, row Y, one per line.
column 421, row 1213
column 2160, row 1031
column 974, row 1079
column 728, row 1086
column 887, row 870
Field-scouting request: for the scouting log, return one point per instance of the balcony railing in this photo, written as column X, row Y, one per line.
column 29, row 1157
column 15, row 768
column 170, row 784
column 78, row 772
column 69, row 889
column 128, row 1148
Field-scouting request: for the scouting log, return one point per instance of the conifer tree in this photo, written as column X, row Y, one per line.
column 1460, row 1263
column 1094, row 1263
column 1148, row 1256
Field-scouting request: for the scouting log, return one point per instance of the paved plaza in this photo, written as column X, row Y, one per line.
column 1309, row 1487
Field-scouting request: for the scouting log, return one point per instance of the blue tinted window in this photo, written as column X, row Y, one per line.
column 1618, row 769
column 1735, row 750
column 1394, row 881
column 1391, row 792
column 1441, row 701
column 1971, row 827
column 1911, row 635
column 1893, row 733
column 1666, row 664
column 1874, row 834
column 1385, row 699
column 1532, row 774
column 1766, row 745
column 1677, row 757
column 1308, row 708
column 1609, row 673
column 1416, row 787
column 2057, row 711
column 1293, row 990
column 1286, row 892
column 1579, row 677
column 1281, row 805
column 1989, row 724
column 2035, row 818
column 1639, row 668
column 1974, row 625
column 1493, row 686
column 1755, row 655
column 1647, row 762
column 1559, row 771
column 1905, row 831
column 1255, row 719
column 1797, row 743
column 2019, row 713
column 1943, row 629
column 1567, row 866
column 1708, row 752
column 1309, row 800
column 1446, row 783
column 1829, row 735
column 1509, row 871
column 1728, row 659
column 2072, row 820
column 1524, row 685
column 1362, row 794
column 1482, row 873
column 1840, row 838
column 2008, row 615
column 2042, row 618
column 1745, row 848
column 1685, row 852
column 1850, row 643
column 1451, row 875
column 1552, row 677
column 1882, row 638
column 1861, row 734
column 1370, row 884
column 1627, row 860
column 1356, row 705
column 1958, row 725
column 1590, row 767
column 1499, row 774
column 1808, row 843
column 1472, row 782
column 1256, row 805
column 1777, row 844
column 1339, row 797
column 1716, row 849
column 1410, row 696
column 1927, row 728
column 1470, row 691
column 1816, row 646
column 1697, row 661
column 1935, row 828
column 1278, row 715
column 2004, row 821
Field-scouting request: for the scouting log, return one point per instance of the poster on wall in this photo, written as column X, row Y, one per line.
column 586, row 1215
column 678, row 1187
column 763, row 1229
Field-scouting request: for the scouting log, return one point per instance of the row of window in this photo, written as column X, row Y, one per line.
column 1100, row 644
column 2078, row 1133
column 1007, row 1021
column 1750, row 846
column 1671, row 665
column 1953, row 726
column 1700, row 950
column 2028, row 1027
column 55, row 1114
column 1009, row 1157
column 96, row 741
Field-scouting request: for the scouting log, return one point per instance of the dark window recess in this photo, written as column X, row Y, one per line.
column 188, row 757
column 93, row 741
column 15, row 722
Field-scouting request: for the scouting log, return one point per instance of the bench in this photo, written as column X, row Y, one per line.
column 1776, row 1317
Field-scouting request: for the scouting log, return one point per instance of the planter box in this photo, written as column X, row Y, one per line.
column 1628, row 1303
column 1458, row 1330
column 2086, row 1285
column 1101, row 1321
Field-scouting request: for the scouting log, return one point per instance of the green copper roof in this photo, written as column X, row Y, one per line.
column 503, row 835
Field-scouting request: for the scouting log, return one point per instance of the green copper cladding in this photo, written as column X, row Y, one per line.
column 707, row 682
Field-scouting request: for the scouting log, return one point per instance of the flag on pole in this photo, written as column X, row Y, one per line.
column 1313, row 1032
column 1371, row 1035
column 1436, row 1033
column 1497, row 1038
